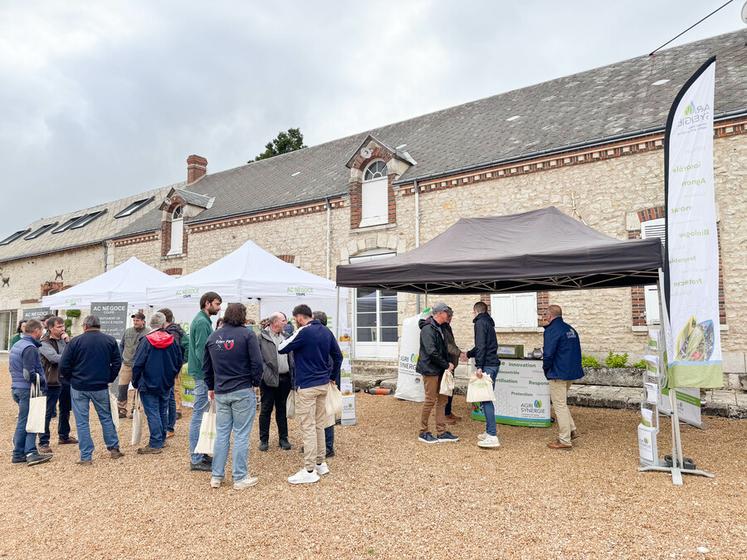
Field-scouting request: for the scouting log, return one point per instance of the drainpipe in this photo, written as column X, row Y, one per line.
column 329, row 239
column 417, row 232
column 106, row 256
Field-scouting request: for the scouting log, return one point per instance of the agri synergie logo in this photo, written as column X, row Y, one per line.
column 538, row 404
column 693, row 114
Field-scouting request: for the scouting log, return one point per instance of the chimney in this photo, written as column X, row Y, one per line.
column 196, row 168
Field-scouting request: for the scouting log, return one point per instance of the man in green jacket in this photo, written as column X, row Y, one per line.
column 199, row 331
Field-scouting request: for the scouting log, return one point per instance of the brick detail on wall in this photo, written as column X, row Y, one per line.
column 355, row 190
column 543, row 301
column 52, row 288
column 637, row 293
column 135, row 240
column 485, row 298
column 173, row 271
column 165, row 237
column 355, row 187
column 287, row 258
column 392, row 201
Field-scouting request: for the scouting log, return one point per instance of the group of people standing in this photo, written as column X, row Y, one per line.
column 438, row 354
column 229, row 366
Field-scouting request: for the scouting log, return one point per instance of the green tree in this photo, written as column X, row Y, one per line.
column 284, row 142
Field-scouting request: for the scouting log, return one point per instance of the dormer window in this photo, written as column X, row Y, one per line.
column 375, row 195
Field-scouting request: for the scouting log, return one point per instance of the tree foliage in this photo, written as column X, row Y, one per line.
column 282, row 144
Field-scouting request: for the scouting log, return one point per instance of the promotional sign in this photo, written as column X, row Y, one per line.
column 688, row 405
column 37, row 313
column 346, row 380
column 113, row 317
column 692, row 260
column 522, row 395
column 409, row 382
column 647, row 448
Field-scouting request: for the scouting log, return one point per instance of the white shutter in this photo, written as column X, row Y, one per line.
column 525, row 310
column 177, row 236
column 502, row 309
column 649, row 230
column 375, row 202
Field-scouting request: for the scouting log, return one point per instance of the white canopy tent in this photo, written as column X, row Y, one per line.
column 126, row 282
column 251, row 273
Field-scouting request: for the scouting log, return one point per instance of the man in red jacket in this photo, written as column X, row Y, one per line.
column 157, row 362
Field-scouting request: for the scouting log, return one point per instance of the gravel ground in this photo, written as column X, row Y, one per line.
column 388, row 496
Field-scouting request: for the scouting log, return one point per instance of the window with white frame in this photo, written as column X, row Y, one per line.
column 375, row 316
column 653, row 229
column 514, row 311
column 177, row 231
column 375, row 195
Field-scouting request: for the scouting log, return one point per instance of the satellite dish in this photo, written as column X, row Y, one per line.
column 744, row 13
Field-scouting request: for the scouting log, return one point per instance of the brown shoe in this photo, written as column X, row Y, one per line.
column 69, row 441
column 148, row 450
column 169, row 435
column 115, row 453
column 574, row 434
column 453, row 417
column 85, row 462
column 45, row 450
column 559, row 445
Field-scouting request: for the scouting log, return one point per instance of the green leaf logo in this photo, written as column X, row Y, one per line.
column 690, row 109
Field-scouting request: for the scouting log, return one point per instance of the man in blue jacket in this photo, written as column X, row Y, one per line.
column 25, row 368
column 157, row 362
column 317, row 359
column 561, row 360
column 91, row 361
column 485, row 354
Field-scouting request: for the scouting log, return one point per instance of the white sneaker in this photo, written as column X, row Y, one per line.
column 245, row 483
column 489, row 441
column 304, row 477
column 482, row 436
column 215, row 482
column 322, row 469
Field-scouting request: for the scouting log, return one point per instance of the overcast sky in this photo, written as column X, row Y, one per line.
column 101, row 100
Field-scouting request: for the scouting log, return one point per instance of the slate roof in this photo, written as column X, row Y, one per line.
column 99, row 230
column 595, row 106
column 193, row 198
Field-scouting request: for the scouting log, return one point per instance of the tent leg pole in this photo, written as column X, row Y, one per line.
column 337, row 313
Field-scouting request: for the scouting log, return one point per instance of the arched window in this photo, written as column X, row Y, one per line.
column 375, row 195
column 177, row 231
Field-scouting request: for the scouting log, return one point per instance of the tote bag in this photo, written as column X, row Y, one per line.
column 447, row 384
column 137, row 421
column 334, row 401
column 480, row 389
column 208, row 431
column 37, row 410
column 114, row 409
column 290, row 405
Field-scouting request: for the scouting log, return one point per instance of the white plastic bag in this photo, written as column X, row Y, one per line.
column 37, row 410
column 290, row 405
column 208, row 431
column 447, row 384
column 114, row 409
column 137, row 421
column 480, row 389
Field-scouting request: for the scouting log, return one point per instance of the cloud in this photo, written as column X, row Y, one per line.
column 103, row 100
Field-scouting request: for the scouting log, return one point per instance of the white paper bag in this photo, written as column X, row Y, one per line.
column 290, row 405
column 37, row 410
column 137, row 421
column 208, row 431
column 480, row 389
column 447, row 384
column 114, row 409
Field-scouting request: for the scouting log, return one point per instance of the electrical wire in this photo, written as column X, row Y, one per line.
column 653, row 52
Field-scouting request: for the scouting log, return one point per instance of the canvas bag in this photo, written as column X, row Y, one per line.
column 208, row 431
column 290, row 405
column 114, row 409
column 447, row 384
column 137, row 421
column 333, row 405
column 480, row 389
column 37, row 410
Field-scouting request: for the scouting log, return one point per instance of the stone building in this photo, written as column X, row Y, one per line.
column 590, row 144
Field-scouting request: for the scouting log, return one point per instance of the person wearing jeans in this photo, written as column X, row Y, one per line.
column 25, row 370
column 561, row 361
column 91, row 361
column 157, row 362
column 175, row 399
column 485, row 353
column 199, row 332
column 232, row 368
column 81, row 408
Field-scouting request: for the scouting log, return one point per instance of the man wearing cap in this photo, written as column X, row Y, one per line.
column 128, row 347
column 432, row 362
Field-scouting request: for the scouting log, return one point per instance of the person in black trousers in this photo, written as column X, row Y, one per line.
column 277, row 381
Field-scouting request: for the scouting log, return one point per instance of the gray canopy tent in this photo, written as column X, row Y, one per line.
column 540, row 250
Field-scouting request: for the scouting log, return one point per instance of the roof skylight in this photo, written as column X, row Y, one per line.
column 40, row 231
column 12, row 237
column 134, row 207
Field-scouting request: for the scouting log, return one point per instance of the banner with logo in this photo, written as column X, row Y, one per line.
column 113, row 317
column 691, row 268
column 522, row 395
column 409, row 382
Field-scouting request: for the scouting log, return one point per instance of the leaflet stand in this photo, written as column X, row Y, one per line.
column 676, row 469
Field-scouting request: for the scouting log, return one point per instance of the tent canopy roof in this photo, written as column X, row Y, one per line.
column 534, row 251
column 126, row 282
